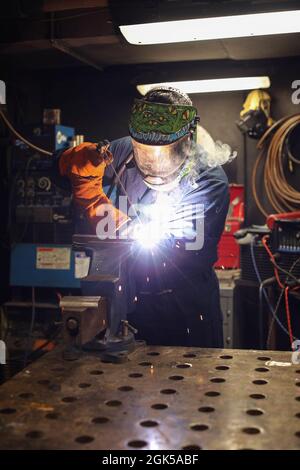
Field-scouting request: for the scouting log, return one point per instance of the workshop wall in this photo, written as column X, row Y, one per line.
column 98, row 104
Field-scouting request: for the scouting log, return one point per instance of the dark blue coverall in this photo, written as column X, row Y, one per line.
column 178, row 300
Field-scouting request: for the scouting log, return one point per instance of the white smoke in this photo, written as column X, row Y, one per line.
column 218, row 154
column 201, row 158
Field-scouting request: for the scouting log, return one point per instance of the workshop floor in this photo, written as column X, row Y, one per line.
column 162, row 398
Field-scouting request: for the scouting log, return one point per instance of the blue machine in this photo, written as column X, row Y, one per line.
column 43, row 265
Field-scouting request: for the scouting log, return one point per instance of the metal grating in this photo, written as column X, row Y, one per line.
column 163, row 398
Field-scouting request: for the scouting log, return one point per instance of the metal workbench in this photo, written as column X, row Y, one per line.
column 162, row 398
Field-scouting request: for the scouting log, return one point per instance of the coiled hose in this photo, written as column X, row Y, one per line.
column 282, row 196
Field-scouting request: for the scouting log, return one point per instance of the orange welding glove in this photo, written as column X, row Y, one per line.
column 84, row 165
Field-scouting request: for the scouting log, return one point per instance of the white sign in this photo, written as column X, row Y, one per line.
column 53, row 258
column 2, row 92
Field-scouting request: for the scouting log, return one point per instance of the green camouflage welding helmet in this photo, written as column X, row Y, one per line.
column 160, row 123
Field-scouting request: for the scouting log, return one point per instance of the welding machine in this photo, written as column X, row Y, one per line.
column 285, row 232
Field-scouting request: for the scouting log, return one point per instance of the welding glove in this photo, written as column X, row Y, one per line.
column 84, row 165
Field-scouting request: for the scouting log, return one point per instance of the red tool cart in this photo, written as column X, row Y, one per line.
column 229, row 250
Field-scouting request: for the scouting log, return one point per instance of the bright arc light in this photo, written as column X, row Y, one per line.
column 148, row 235
column 213, row 85
column 221, row 27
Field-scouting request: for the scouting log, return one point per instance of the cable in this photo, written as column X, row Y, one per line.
column 276, row 266
column 265, row 294
column 273, row 320
column 19, row 136
column 33, row 314
column 288, row 314
column 281, row 195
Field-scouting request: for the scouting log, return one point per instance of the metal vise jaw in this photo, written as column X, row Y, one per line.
column 83, row 319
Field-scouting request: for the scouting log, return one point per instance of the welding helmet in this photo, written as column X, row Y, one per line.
column 255, row 116
column 161, row 133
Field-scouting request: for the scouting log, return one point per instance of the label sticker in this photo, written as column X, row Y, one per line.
column 53, row 258
column 82, row 265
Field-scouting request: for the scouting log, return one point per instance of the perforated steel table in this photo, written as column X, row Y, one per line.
column 162, row 398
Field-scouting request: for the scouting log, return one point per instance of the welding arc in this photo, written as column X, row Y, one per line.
column 19, row 136
column 281, row 195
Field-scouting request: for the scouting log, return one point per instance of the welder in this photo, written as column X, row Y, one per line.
column 166, row 157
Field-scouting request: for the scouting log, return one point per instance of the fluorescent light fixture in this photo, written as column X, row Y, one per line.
column 203, row 29
column 213, row 85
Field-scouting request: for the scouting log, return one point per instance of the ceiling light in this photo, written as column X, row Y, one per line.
column 237, row 26
column 213, row 85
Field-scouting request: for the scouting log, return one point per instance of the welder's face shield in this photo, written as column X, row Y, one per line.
column 161, row 165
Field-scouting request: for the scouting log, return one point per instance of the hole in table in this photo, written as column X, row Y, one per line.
column 58, row 369
column 52, row 415
column 191, row 447
column 113, row 403
column 84, row 439
column 217, row 380
column 184, row 366
column 189, row 355
column 68, row 399
column 206, row 409
column 262, row 369
column 254, row 412
column 26, row 395
column 264, row 358
column 34, row 434
column 168, row 391
column 96, row 372
column 44, row 382
column 159, row 406
column 257, row 396
column 176, row 377
column 251, row 430
column 259, row 382
column 153, row 353
column 199, row 427
column 54, row 387
column 135, row 375
column 212, row 393
column 226, row 356
column 8, row 411
column 297, row 398
column 145, row 364
column 100, row 420
column 84, row 385
column 137, row 443
column 222, row 367
column 125, row 388
column 148, row 423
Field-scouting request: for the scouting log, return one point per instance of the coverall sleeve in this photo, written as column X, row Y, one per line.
column 211, row 197
column 84, row 165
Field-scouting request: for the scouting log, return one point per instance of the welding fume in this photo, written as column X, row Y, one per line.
column 168, row 198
